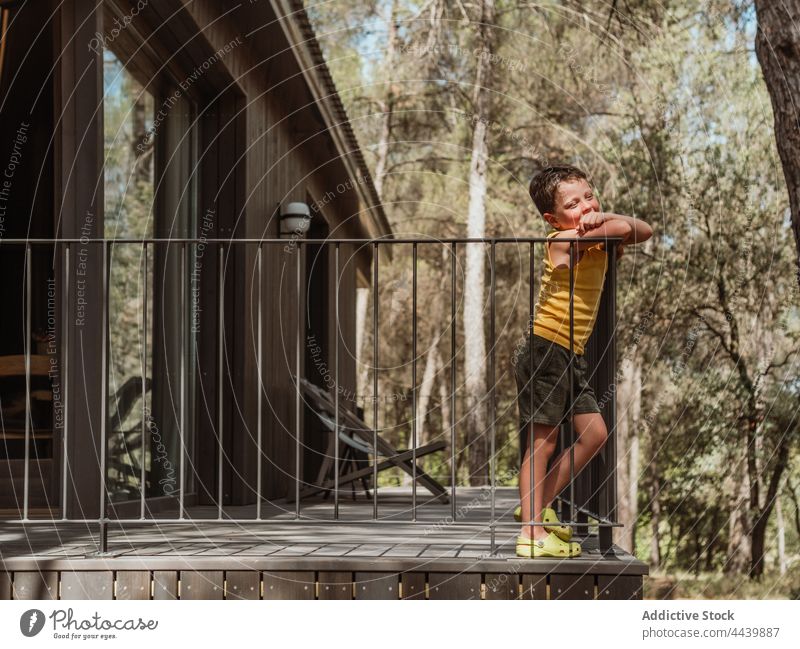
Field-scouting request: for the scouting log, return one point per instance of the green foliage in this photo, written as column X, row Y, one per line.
column 665, row 105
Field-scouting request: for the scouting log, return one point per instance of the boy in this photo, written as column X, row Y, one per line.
column 566, row 200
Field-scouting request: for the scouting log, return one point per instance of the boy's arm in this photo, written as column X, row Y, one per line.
column 609, row 228
column 640, row 231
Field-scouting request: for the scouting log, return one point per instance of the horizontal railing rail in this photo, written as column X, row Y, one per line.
column 66, row 255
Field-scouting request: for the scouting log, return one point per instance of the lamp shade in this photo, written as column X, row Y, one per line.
column 295, row 219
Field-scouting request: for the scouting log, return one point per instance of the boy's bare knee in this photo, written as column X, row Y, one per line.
column 601, row 437
column 595, row 435
column 546, row 435
column 546, row 446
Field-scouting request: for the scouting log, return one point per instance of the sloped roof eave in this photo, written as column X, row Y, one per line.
column 297, row 27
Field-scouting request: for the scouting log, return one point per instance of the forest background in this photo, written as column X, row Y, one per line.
column 457, row 104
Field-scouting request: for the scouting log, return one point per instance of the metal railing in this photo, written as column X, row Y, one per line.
column 67, row 254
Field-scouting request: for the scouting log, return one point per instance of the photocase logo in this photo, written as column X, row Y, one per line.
column 31, row 622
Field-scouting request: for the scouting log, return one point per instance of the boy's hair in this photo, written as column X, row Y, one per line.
column 545, row 183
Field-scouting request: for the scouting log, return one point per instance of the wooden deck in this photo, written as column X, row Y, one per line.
column 314, row 557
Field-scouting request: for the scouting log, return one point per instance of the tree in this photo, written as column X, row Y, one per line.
column 778, row 51
column 477, row 420
column 706, row 389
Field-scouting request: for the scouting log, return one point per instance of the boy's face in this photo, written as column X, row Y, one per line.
column 573, row 199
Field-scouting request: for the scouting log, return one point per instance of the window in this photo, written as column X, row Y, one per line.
column 149, row 193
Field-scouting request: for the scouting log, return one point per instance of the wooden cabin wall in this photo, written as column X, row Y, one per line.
column 274, row 151
column 280, row 168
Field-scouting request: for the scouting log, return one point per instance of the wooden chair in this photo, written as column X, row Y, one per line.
column 13, row 416
column 43, row 476
column 123, row 444
column 356, row 435
column 352, row 458
column 14, row 367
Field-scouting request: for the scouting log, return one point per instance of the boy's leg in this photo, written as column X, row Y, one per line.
column 591, row 432
column 544, row 445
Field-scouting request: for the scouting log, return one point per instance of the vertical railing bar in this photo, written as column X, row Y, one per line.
column 529, row 425
column 260, row 383
column 453, row 380
column 220, row 371
column 104, row 401
column 65, row 363
column 28, row 309
column 336, row 403
column 570, row 441
column 610, row 481
column 299, row 315
column 375, row 381
column 142, row 476
column 414, row 384
column 184, row 322
column 492, row 461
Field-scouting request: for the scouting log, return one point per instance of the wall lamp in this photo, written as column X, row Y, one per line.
column 295, row 219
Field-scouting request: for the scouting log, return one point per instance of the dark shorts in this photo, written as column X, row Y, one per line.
column 543, row 394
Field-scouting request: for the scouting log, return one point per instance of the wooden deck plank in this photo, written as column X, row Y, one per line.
column 405, row 550
column 443, row 585
column 413, row 585
column 289, row 585
column 501, row 586
column 571, row 586
column 278, row 544
column 439, row 552
column 133, row 584
column 335, row 585
column 87, row 585
column 165, row 584
column 619, row 587
column 259, row 550
column 334, row 550
column 35, row 585
column 377, row 585
column 573, row 567
column 296, row 551
column 161, row 549
column 67, row 551
column 242, row 584
column 206, row 584
column 200, row 549
column 370, row 550
column 534, row 586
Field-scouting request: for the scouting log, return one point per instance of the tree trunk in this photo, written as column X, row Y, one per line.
column 655, row 519
column 444, row 401
column 712, row 543
column 795, row 503
column 388, row 102
column 778, row 52
column 425, row 391
column 141, row 146
column 362, row 368
column 782, row 566
column 633, row 484
column 758, row 547
column 476, row 421
column 738, row 540
column 629, row 405
column 762, row 516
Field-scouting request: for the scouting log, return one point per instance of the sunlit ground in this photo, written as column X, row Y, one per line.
column 719, row 586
